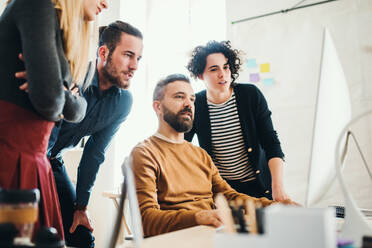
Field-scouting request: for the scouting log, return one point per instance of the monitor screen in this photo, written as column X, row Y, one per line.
column 332, row 113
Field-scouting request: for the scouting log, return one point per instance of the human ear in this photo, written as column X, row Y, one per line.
column 156, row 106
column 103, row 52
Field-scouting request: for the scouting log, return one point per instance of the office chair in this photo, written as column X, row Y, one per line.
column 128, row 188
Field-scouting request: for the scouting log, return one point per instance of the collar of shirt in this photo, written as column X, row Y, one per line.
column 95, row 86
column 160, row 136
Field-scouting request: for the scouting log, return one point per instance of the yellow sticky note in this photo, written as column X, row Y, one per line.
column 265, row 67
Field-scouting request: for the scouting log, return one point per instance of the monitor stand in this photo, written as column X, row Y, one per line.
column 355, row 225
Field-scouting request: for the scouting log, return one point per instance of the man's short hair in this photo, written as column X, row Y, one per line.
column 198, row 61
column 110, row 35
column 159, row 88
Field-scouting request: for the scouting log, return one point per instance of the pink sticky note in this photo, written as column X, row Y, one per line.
column 254, row 77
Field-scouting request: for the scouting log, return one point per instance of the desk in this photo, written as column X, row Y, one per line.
column 194, row 237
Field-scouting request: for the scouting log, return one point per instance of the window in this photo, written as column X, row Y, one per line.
column 171, row 30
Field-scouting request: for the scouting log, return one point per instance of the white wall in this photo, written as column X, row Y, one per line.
column 292, row 44
column 171, row 29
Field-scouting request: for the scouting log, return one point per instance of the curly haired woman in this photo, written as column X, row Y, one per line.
column 233, row 124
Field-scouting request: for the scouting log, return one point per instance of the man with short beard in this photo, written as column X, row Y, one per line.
column 109, row 104
column 175, row 180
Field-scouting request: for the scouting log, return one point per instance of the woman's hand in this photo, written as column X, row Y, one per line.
column 280, row 196
column 279, row 193
column 23, row 75
column 74, row 89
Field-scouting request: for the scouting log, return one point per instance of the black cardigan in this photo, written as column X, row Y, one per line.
column 260, row 138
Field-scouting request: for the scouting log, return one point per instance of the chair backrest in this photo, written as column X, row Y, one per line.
column 128, row 189
column 135, row 215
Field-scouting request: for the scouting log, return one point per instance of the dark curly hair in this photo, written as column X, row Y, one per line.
column 199, row 55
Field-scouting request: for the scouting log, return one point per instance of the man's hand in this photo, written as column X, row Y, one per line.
column 81, row 218
column 208, row 217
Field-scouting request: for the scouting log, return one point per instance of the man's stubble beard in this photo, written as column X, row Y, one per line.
column 111, row 75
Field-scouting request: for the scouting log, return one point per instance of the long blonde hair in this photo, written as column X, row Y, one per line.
column 76, row 36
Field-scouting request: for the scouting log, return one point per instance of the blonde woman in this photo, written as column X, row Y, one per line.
column 54, row 37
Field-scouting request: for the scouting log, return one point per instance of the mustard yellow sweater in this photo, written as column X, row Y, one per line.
column 173, row 182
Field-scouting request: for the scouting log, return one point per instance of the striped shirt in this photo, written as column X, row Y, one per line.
column 228, row 147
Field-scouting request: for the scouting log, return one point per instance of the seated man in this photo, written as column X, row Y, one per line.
column 175, row 180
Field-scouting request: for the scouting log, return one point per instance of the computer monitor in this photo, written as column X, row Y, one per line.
column 329, row 145
column 332, row 113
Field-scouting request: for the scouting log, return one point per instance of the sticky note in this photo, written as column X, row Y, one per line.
column 254, row 77
column 265, row 67
column 268, row 81
column 251, row 63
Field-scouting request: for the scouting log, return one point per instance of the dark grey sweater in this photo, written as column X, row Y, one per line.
column 31, row 27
